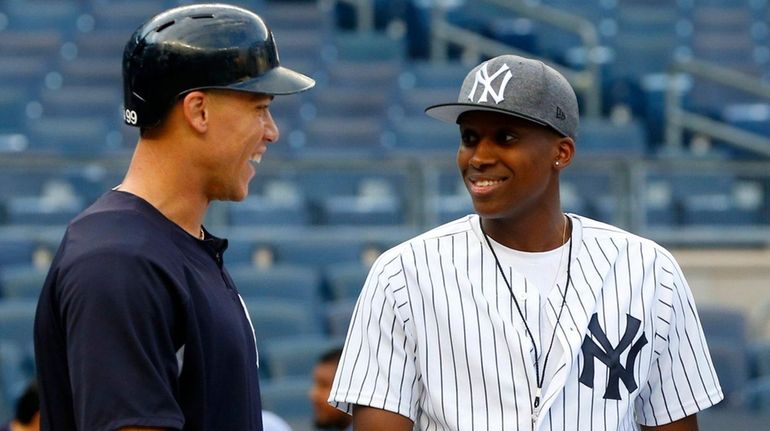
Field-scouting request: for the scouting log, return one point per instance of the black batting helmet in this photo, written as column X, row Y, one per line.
column 196, row 47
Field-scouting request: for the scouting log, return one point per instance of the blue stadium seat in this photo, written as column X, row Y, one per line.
column 345, row 281
column 603, row 137
column 294, row 356
column 276, row 319
column 412, row 103
column 374, row 76
column 42, row 15
column 68, row 135
column 42, row 45
column 296, row 284
column 34, row 210
column 339, row 136
column 123, row 15
column 13, row 101
column 24, row 282
column 22, row 71
column 288, row 398
column 103, row 102
column 346, row 102
column 727, row 337
column 16, row 251
column 101, row 43
column 338, row 315
column 93, row 71
column 362, row 210
column 17, row 317
column 429, row 74
column 372, row 46
column 318, row 252
column 261, row 211
column 424, row 137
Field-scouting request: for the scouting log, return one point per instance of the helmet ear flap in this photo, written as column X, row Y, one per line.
column 200, row 47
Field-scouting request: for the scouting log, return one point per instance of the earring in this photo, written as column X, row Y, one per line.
column 557, row 163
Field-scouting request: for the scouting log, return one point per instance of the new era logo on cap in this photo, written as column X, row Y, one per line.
column 483, row 78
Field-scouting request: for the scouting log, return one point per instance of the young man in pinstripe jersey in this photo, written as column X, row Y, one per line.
column 521, row 317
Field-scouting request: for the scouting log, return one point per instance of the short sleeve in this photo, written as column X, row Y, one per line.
column 377, row 367
column 682, row 379
column 119, row 321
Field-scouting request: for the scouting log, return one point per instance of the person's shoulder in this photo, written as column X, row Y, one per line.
column 454, row 227
column 594, row 229
column 119, row 226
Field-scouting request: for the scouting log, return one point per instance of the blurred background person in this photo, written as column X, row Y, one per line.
column 324, row 415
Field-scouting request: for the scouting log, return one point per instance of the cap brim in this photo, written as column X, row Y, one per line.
column 277, row 81
column 450, row 112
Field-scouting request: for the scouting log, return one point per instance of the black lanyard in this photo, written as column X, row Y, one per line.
column 539, row 379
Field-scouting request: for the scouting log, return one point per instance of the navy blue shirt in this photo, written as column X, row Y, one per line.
column 129, row 300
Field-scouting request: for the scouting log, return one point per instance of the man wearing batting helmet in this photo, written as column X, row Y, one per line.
column 522, row 317
column 139, row 324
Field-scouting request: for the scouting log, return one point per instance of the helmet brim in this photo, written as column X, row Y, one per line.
column 277, row 81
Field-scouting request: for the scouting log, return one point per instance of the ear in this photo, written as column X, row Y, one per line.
column 565, row 150
column 195, row 110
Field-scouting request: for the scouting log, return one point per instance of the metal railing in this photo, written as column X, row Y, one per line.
column 587, row 82
column 679, row 119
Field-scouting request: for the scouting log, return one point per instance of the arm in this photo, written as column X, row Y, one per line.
column 372, row 419
column 689, row 423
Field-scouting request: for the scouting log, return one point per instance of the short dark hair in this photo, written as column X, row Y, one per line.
column 331, row 355
column 28, row 404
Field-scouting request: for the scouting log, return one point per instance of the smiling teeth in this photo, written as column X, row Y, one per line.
column 487, row 183
column 257, row 158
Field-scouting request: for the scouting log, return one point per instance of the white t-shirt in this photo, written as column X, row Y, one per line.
column 435, row 337
column 541, row 272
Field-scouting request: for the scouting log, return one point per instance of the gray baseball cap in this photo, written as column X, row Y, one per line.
column 517, row 86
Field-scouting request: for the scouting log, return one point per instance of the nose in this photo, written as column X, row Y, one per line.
column 483, row 154
column 271, row 128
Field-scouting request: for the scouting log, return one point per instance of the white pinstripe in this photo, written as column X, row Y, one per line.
column 435, row 336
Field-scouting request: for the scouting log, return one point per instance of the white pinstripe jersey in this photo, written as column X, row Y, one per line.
column 435, row 336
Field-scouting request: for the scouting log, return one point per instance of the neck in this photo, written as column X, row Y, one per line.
column 158, row 175
column 531, row 234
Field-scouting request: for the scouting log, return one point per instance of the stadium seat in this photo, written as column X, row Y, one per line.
column 297, row 284
column 288, row 398
column 277, row 319
column 345, row 281
column 727, row 337
column 42, row 15
column 338, row 315
column 262, row 211
column 424, row 137
column 604, row 137
column 17, row 317
column 24, row 282
column 68, row 135
column 362, row 210
column 16, row 251
column 294, row 356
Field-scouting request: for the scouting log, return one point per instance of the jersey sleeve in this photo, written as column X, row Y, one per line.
column 377, row 367
column 118, row 316
column 682, row 379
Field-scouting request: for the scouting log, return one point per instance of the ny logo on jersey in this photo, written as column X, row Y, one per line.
column 483, row 78
column 611, row 356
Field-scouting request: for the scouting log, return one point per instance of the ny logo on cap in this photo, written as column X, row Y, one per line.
column 483, row 78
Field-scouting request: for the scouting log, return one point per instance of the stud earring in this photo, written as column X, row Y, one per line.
column 557, row 163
